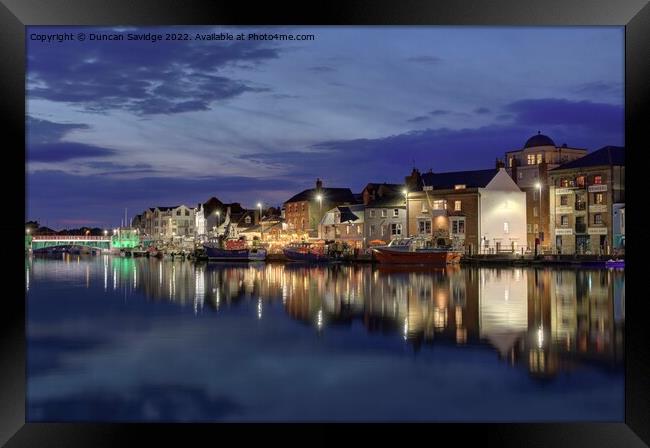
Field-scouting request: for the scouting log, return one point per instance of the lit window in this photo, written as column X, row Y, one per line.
column 598, row 180
column 535, row 228
column 531, row 159
column 539, row 159
column 598, row 198
column 247, row 220
column 459, row 187
column 580, row 181
column 439, row 204
column 457, row 206
column 506, row 227
column 510, row 161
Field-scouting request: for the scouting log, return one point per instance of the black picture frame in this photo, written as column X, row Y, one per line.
column 15, row 15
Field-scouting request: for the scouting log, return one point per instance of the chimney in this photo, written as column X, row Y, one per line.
column 319, row 184
column 500, row 164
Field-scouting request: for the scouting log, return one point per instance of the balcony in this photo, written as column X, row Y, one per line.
column 581, row 206
column 581, row 227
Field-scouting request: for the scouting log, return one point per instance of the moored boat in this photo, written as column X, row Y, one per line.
column 215, row 251
column 416, row 250
column 306, row 252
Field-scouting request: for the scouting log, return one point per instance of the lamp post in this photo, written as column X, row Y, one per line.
column 319, row 198
column 406, row 199
column 259, row 205
column 218, row 213
column 538, row 185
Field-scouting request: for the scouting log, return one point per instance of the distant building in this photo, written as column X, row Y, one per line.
column 166, row 222
column 482, row 210
column 587, row 197
column 344, row 223
column 304, row 211
column 529, row 167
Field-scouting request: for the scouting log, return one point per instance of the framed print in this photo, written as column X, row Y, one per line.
column 352, row 212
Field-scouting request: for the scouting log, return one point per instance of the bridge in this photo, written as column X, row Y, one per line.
column 44, row 241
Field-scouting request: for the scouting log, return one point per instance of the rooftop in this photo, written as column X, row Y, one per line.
column 471, row 179
column 605, row 156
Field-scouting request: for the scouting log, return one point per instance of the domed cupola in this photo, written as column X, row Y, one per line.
column 539, row 140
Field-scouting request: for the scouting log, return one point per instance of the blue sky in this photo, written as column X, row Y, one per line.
column 140, row 124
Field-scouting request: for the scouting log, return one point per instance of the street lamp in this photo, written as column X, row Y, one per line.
column 319, row 198
column 105, row 232
column 28, row 230
column 406, row 199
column 259, row 205
column 538, row 185
column 218, row 213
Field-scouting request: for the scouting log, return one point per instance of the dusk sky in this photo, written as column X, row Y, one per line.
column 140, row 124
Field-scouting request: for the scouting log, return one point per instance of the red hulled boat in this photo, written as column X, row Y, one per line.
column 416, row 250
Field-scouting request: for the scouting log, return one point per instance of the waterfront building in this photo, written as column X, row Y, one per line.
column 166, row 223
column 586, row 196
column 385, row 213
column 303, row 211
column 344, row 223
column 528, row 167
column 479, row 211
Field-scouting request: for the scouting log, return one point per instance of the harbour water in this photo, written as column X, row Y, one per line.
column 124, row 339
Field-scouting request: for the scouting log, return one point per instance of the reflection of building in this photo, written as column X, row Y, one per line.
column 583, row 195
column 528, row 167
column 478, row 210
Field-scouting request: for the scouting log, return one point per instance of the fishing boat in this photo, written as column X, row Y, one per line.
column 416, row 250
column 306, row 252
column 231, row 251
column 615, row 263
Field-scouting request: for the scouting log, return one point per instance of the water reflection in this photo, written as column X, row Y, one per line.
column 547, row 320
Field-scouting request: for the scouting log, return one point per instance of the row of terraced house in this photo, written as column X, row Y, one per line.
column 541, row 197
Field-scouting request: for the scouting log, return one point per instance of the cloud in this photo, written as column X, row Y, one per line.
column 146, row 79
column 44, row 131
column 425, row 59
column 482, row 110
column 599, row 88
column 440, row 112
column 65, row 151
column 322, row 69
column 418, row 119
column 566, row 113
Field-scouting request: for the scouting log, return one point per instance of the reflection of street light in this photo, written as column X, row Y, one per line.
column 319, row 198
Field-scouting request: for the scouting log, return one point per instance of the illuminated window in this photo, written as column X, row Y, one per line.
column 598, row 198
column 539, row 158
column 580, row 181
column 459, row 187
column 347, row 230
column 510, row 161
column 506, row 227
column 247, row 220
column 457, row 205
column 598, row 180
column 424, row 226
column 439, row 204
column 535, row 228
column 531, row 159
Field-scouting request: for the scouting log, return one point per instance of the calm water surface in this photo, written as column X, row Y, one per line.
column 118, row 339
